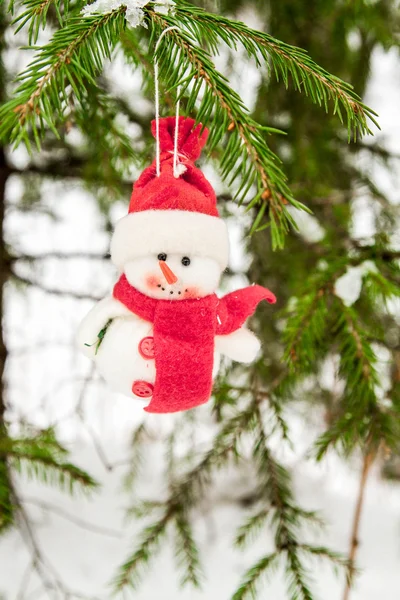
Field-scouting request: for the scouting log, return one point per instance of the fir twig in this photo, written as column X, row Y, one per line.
column 307, row 76
column 42, row 457
column 185, row 493
column 246, row 154
column 36, row 15
column 73, row 56
column 248, row 586
column 186, row 551
column 287, row 520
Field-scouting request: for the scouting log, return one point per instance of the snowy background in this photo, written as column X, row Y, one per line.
column 83, row 540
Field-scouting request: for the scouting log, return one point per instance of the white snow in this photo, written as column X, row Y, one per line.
column 348, row 287
column 134, row 9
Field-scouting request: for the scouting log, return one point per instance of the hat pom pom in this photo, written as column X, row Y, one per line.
column 191, row 138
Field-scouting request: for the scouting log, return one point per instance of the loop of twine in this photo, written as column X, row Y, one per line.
column 157, row 103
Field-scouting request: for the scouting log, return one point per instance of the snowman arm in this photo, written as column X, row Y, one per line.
column 241, row 345
column 96, row 319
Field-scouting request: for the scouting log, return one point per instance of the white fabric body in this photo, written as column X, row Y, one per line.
column 118, row 359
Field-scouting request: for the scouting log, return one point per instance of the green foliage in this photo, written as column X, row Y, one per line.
column 279, row 510
column 35, row 16
column 187, row 554
column 362, row 419
column 284, row 60
column 319, row 325
column 6, row 504
column 67, row 67
column 42, row 457
column 248, row 587
column 71, row 60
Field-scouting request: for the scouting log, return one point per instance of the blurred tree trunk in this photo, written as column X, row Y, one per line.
column 6, row 511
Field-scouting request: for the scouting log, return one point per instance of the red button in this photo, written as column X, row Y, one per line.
column 143, row 389
column 146, row 347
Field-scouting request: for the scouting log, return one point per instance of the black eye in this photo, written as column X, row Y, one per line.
column 185, row 261
column 162, row 256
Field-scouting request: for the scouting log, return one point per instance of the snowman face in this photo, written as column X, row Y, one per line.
column 173, row 276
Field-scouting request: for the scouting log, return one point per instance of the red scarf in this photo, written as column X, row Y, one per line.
column 184, row 332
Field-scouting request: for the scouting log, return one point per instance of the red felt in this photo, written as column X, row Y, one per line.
column 184, row 333
column 191, row 138
column 191, row 191
column 234, row 308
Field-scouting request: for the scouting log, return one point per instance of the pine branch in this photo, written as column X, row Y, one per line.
column 36, row 15
column 307, row 76
column 185, row 493
column 73, row 56
column 287, row 519
column 6, row 508
column 54, row 291
column 248, row 587
column 306, row 328
column 362, row 419
column 107, row 143
column 246, row 154
column 42, row 457
column 129, row 572
column 136, row 458
column 46, row 507
column 298, row 584
column 251, row 528
column 186, row 551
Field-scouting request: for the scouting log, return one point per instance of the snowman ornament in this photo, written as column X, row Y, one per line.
column 160, row 335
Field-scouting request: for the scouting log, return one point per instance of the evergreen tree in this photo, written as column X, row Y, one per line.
column 314, row 168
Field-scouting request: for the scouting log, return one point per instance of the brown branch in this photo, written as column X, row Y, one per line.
column 25, row 579
column 72, row 168
column 93, row 435
column 354, row 539
column 55, row 291
column 66, row 167
column 52, row 508
column 48, row 575
column 61, row 256
column 6, row 510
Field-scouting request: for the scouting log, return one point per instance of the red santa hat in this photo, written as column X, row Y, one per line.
column 172, row 214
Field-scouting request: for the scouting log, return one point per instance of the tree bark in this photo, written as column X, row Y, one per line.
column 6, row 505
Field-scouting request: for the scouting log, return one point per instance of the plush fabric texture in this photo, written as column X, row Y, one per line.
column 174, row 232
column 184, row 333
column 191, row 138
column 191, row 191
column 189, row 195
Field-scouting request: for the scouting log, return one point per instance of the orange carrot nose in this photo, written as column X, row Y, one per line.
column 168, row 274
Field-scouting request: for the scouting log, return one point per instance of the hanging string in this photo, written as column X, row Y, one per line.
column 176, row 172
column 157, row 103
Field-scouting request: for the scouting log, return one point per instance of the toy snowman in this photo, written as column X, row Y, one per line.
column 160, row 335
